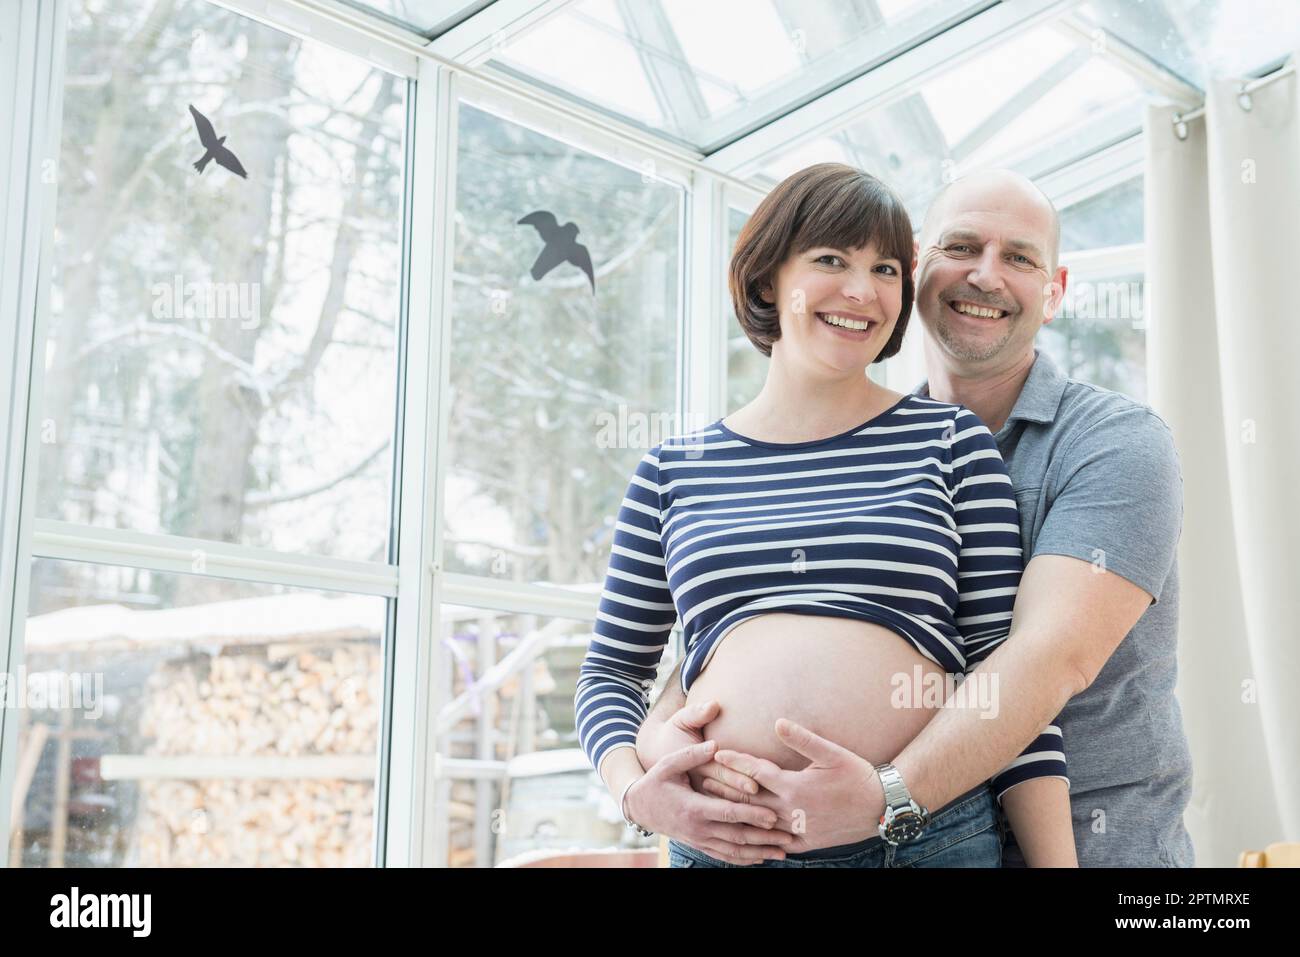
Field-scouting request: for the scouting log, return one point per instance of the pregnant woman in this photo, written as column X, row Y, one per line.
column 832, row 549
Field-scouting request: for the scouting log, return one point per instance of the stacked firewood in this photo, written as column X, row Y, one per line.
column 271, row 700
column 292, row 701
column 225, row 823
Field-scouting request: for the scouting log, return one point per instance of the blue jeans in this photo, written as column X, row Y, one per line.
column 965, row 833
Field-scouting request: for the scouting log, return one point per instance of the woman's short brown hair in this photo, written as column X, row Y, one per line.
column 829, row 204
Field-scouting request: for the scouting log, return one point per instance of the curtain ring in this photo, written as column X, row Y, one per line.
column 1180, row 126
column 1243, row 98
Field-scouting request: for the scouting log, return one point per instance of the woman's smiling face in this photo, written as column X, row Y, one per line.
column 826, row 296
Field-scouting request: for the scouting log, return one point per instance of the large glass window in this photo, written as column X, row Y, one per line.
column 564, row 349
column 516, row 786
column 162, row 726
column 564, row 372
column 746, row 366
column 1099, row 335
column 219, row 364
column 220, row 361
column 1111, row 218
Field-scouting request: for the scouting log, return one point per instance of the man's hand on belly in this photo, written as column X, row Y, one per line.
column 835, row 800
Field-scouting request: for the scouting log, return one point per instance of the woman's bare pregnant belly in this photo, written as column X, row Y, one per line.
column 834, row 676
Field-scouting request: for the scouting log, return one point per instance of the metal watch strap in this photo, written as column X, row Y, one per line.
column 904, row 819
column 896, row 794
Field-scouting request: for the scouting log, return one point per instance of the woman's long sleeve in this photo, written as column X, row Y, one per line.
column 633, row 624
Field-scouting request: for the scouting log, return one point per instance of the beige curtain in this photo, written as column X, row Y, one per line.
column 1223, row 254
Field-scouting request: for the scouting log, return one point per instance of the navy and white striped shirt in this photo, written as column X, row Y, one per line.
column 908, row 521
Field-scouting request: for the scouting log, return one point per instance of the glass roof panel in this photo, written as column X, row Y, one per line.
column 596, row 56
column 430, row 17
column 1197, row 39
column 1034, row 103
column 712, row 71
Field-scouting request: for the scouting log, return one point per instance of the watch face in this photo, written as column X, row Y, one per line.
column 899, row 826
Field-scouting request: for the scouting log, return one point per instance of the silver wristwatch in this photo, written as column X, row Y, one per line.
column 904, row 819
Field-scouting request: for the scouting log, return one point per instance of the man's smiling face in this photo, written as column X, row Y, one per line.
column 986, row 270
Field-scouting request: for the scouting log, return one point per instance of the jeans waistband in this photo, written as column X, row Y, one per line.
column 843, row 850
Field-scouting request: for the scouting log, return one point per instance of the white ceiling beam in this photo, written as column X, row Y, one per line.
column 893, row 79
column 435, row 16
column 371, row 38
column 1095, row 173
column 439, row 12
column 1084, row 140
column 377, row 38
column 1111, row 261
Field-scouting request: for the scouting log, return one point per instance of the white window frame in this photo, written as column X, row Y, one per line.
column 31, row 59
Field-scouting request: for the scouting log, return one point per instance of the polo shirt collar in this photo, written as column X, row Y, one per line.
column 1040, row 396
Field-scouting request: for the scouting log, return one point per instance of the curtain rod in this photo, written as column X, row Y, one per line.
column 1180, row 120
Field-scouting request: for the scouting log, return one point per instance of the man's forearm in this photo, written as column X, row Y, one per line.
column 959, row 748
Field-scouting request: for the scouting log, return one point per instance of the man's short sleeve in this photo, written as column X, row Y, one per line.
column 1118, row 502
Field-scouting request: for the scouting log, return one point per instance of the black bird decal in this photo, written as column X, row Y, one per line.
column 215, row 151
column 562, row 246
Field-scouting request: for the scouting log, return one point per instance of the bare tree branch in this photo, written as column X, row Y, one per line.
column 266, row 500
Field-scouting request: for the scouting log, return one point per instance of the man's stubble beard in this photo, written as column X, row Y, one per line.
column 960, row 348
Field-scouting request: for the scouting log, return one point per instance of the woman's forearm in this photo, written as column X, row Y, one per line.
column 619, row 768
column 1039, row 813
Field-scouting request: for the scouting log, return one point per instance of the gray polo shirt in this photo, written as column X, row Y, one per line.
column 1097, row 478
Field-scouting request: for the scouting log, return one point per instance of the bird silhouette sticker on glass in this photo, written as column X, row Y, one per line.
column 213, row 145
column 562, row 246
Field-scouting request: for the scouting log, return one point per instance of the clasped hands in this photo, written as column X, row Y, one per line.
column 744, row 809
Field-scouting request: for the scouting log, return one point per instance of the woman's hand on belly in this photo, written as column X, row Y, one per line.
column 683, row 729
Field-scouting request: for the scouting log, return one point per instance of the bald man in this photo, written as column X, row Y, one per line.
column 1093, row 635
column 1098, row 486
